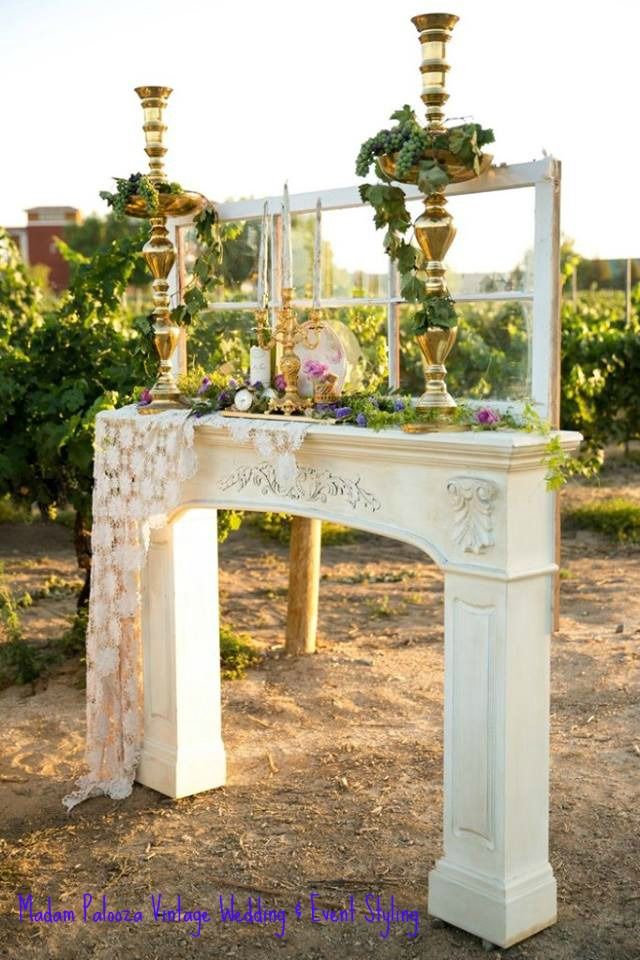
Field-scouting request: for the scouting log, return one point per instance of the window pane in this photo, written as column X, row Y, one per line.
column 221, row 338
column 490, row 359
column 354, row 262
column 493, row 247
column 240, row 259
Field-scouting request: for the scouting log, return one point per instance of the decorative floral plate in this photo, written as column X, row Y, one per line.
column 329, row 352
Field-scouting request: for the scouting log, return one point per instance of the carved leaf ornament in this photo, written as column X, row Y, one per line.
column 473, row 506
column 310, row 485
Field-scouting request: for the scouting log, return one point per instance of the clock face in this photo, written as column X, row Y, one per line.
column 243, row 400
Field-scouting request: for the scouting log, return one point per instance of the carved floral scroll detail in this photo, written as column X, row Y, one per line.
column 473, row 506
column 310, row 485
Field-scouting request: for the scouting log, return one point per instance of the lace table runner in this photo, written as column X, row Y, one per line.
column 140, row 463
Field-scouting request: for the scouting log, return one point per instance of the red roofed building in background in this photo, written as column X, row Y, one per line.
column 36, row 241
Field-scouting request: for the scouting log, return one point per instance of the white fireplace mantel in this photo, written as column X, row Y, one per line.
column 478, row 505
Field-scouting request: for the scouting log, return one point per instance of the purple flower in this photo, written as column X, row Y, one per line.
column 146, row 397
column 280, row 383
column 204, row 385
column 487, row 416
column 343, row 412
column 233, row 384
column 398, row 404
column 225, row 399
column 314, row 369
column 258, row 385
column 361, row 420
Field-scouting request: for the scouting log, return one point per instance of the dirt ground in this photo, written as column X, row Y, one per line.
column 335, row 769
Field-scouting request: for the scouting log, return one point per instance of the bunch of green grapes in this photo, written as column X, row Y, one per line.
column 384, row 142
column 146, row 189
column 411, row 152
column 137, row 185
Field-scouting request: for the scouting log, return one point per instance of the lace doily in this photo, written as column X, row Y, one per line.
column 276, row 442
column 140, row 462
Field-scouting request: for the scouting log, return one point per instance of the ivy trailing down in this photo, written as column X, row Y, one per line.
column 207, row 269
column 419, row 156
column 435, row 312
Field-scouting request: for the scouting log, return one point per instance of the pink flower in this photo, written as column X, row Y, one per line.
column 280, row 383
column 314, row 369
column 146, row 397
column 487, row 416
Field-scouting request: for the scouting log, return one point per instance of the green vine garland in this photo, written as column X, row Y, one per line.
column 415, row 147
column 205, row 394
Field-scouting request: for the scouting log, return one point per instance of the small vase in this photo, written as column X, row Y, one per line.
column 436, row 344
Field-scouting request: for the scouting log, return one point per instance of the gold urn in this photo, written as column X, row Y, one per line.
column 159, row 251
column 436, row 344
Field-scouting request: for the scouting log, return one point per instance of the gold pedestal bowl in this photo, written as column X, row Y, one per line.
column 456, row 171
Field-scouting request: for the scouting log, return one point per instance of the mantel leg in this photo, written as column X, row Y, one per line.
column 183, row 751
column 494, row 879
column 304, row 586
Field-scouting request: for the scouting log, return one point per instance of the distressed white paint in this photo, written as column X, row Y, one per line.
column 494, row 878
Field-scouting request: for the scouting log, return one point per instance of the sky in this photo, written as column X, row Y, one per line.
column 268, row 91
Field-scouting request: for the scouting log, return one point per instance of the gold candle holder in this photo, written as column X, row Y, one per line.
column 435, row 32
column 434, row 228
column 288, row 333
column 159, row 252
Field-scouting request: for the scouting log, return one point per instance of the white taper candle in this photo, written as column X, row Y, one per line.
column 287, row 254
column 263, row 258
column 317, row 256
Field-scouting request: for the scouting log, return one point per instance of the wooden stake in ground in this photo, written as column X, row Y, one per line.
column 304, row 584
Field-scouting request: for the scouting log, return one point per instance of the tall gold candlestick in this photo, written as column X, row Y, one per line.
column 159, row 252
column 434, row 228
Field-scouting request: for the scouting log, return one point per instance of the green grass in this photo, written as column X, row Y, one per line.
column 618, row 518
column 383, row 609
column 12, row 512
column 237, row 652
column 20, row 661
